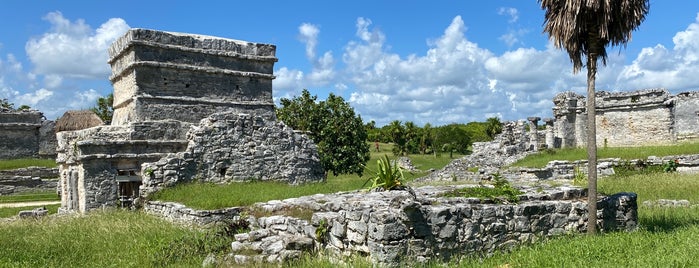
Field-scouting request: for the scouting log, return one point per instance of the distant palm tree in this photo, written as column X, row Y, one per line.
column 584, row 28
column 493, row 127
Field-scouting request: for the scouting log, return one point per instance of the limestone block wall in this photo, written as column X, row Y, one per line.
column 398, row 227
column 28, row 179
column 686, row 111
column 157, row 74
column 227, row 147
column 650, row 116
column 19, row 134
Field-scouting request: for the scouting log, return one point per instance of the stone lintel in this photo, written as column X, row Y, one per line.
column 208, row 70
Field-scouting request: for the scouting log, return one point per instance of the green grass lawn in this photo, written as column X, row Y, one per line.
column 28, row 197
column 542, row 158
column 26, row 162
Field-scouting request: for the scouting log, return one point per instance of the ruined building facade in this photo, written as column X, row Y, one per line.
column 643, row 117
column 187, row 107
column 26, row 134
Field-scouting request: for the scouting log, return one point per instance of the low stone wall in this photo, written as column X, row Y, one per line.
column 176, row 212
column 28, row 179
column 565, row 170
column 402, row 226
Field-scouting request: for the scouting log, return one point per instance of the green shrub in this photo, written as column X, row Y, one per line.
column 387, row 176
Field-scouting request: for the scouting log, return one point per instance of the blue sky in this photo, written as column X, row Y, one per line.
column 436, row 61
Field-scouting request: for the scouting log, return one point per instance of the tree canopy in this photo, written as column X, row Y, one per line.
column 104, row 108
column 332, row 124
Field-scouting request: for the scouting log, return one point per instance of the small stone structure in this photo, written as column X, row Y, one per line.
column 651, row 116
column 196, row 107
column 394, row 227
column 26, row 134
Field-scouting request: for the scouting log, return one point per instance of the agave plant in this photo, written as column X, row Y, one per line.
column 388, row 176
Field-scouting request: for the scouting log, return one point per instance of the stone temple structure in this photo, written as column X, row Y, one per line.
column 26, row 134
column 186, row 107
column 651, row 116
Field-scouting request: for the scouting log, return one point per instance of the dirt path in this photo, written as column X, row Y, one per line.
column 28, row 204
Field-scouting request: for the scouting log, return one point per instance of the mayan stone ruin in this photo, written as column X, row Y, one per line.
column 651, row 116
column 189, row 107
column 26, row 133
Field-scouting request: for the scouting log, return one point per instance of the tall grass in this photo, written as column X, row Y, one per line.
column 26, row 162
column 571, row 154
column 105, row 239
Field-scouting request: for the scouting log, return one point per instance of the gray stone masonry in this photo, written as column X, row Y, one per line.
column 233, row 147
column 196, row 107
column 26, row 134
column 28, row 179
column 649, row 116
column 396, row 227
column 157, row 75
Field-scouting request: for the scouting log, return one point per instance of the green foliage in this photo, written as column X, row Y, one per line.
column 670, row 166
column 452, row 139
column 104, row 108
column 339, row 134
column 322, row 230
column 501, row 191
column 24, row 107
column 387, row 176
column 580, row 178
column 493, row 127
column 6, row 105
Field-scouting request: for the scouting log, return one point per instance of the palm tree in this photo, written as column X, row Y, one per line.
column 584, row 28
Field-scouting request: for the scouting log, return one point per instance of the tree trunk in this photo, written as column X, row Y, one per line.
column 591, row 145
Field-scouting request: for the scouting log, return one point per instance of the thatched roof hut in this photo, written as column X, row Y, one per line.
column 77, row 120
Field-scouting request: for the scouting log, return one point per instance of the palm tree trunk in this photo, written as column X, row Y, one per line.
column 591, row 145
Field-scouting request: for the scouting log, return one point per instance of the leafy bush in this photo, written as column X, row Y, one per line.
column 388, row 176
column 671, row 166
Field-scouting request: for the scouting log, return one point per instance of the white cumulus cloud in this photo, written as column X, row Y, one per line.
column 73, row 49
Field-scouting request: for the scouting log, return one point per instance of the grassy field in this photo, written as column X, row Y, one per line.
column 34, row 196
column 26, row 162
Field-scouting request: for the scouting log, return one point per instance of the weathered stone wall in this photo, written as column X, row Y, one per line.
column 26, row 134
column 47, row 139
column 19, row 134
column 686, row 111
column 642, row 117
column 28, row 179
column 200, row 74
column 227, row 147
column 396, row 227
